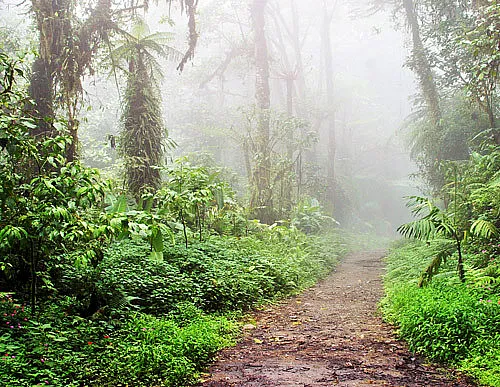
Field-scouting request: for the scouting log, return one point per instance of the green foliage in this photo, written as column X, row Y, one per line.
column 199, row 199
column 138, row 221
column 436, row 321
column 48, row 207
column 430, row 146
column 484, row 360
column 481, row 42
column 217, row 274
column 60, row 350
column 149, row 350
column 446, row 321
column 309, row 218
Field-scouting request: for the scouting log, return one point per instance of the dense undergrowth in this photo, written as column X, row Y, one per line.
column 161, row 322
column 448, row 321
column 100, row 288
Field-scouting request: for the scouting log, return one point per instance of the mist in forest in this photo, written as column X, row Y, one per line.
column 335, row 67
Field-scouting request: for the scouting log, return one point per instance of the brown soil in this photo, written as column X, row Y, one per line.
column 329, row 335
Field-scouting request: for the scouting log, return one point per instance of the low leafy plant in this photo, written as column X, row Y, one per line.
column 447, row 321
column 217, row 274
column 309, row 217
column 60, row 350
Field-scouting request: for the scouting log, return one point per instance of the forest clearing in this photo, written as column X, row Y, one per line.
column 171, row 168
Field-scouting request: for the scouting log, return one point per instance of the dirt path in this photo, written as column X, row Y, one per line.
column 330, row 335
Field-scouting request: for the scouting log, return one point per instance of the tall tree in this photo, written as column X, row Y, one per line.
column 66, row 50
column 420, row 64
column 144, row 136
column 261, row 196
column 67, row 47
column 330, row 100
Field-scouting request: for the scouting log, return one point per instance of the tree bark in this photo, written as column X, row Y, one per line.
column 42, row 94
column 421, row 65
column 261, row 198
column 330, row 105
column 297, row 46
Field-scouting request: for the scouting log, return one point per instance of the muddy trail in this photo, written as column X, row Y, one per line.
column 329, row 335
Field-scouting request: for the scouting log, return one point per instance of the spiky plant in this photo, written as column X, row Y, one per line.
column 144, row 138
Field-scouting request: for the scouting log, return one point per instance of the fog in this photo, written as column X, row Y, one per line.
column 206, row 106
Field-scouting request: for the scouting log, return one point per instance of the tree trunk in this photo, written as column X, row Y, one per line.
column 301, row 83
column 49, row 19
column 261, row 198
column 42, row 94
column 460, row 265
column 421, row 66
column 330, row 108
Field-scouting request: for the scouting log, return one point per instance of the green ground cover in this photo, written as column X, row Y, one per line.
column 447, row 321
column 161, row 321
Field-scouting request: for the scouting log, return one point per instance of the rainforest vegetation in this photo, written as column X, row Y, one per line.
column 129, row 252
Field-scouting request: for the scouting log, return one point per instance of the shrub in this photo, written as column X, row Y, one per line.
column 446, row 321
column 139, row 349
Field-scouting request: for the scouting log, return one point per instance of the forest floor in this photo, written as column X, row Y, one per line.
column 330, row 335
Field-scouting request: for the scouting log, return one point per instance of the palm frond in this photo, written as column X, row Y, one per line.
column 421, row 229
column 433, row 221
column 164, row 38
column 161, row 49
column 419, row 205
column 433, row 267
column 483, row 229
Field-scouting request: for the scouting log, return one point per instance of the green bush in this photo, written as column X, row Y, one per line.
column 436, row 320
column 156, row 351
column 141, row 350
column 219, row 274
column 309, row 218
column 447, row 321
column 484, row 360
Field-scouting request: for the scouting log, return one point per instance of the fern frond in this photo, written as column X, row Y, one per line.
column 481, row 277
column 495, row 181
column 122, row 301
